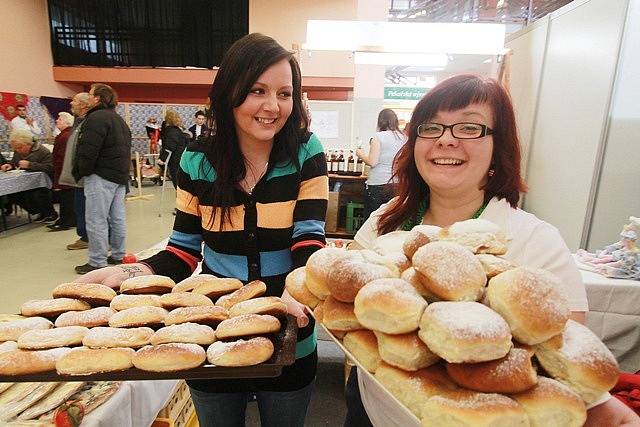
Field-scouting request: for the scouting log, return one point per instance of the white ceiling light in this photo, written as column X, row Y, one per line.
column 392, row 58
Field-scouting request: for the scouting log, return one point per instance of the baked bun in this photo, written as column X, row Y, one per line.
column 247, row 325
column 450, row 271
column 169, row 357
column 24, row 362
column 152, row 284
column 410, row 275
column 190, row 283
column 552, row 404
column 389, row 305
column 51, row 308
column 87, row 361
column 494, row 265
column 463, row 331
column 414, row 240
column 469, row 408
column 139, row 316
column 514, row 373
column 98, row 316
column 183, row 299
column 204, row 315
column 103, row 337
column 263, row 305
column 8, row 346
column 318, row 312
column 215, row 288
column 92, row 293
column 52, row 338
column 188, row 333
column 339, row 316
column 294, row 283
column 479, row 235
column 363, row 345
column 399, row 260
column 317, row 269
column 530, row 302
column 405, row 351
column 241, row 352
column 123, row 302
column 11, row 331
column 252, row 289
column 390, row 243
column 348, row 275
column 580, row 360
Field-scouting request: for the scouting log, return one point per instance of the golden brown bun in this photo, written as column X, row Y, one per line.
column 92, row 293
column 494, row 265
column 24, row 362
column 8, row 346
column 338, row 334
column 450, row 271
column 389, row 305
column 51, row 308
column 190, row 283
column 103, row 337
column 317, row 268
column 152, row 284
column 86, row 361
column 580, row 360
column 123, row 302
column 247, row 325
column 252, row 289
column 464, row 332
column 183, row 299
column 348, row 275
column 414, row 388
column 415, row 239
column 205, row 315
column 318, row 312
column 479, row 235
column 469, row 408
column 514, row 373
column 169, row 357
column 188, row 333
column 339, row 316
column 530, row 302
column 11, row 331
column 294, row 283
column 263, row 305
column 364, row 347
column 552, row 404
column 52, row 338
column 410, row 275
column 98, row 316
column 405, row 351
column 138, row 316
column 215, row 288
column 241, row 352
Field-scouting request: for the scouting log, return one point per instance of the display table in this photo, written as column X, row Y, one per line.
column 15, row 182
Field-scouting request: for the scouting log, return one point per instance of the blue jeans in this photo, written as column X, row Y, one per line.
column 277, row 408
column 81, row 226
column 105, row 218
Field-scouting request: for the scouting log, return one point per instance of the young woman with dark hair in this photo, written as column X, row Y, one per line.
column 256, row 195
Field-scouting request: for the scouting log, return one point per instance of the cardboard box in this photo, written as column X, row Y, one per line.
column 331, row 220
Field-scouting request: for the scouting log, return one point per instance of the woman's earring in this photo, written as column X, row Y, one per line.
column 491, row 173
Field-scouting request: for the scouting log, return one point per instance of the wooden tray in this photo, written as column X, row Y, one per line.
column 284, row 355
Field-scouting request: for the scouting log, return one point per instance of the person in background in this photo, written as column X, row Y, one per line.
column 24, row 122
column 153, row 132
column 199, row 128
column 67, row 218
column 174, row 140
column 256, row 195
column 383, row 148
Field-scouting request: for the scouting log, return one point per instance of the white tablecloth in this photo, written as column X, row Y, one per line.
column 15, row 182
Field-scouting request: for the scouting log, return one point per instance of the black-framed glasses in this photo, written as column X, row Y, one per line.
column 458, row 130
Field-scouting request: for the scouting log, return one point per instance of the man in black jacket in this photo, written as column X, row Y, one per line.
column 103, row 155
column 199, row 129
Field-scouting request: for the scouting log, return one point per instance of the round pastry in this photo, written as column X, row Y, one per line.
column 240, row 353
column 494, row 265
column 479, row 235
column 188, row 333
column 390, row 243
column 204, row 315
column 450, row 271
column 92, row 293
column 263, row 305
column 294, row 283
column 463, row 331
column 247, row 325
column 11, row 331
column 252, row 289
column 339, row 316
column 183, row 299
column 8, row 346
column 103, row 337
column 190, row 283
column 318, row 312
column 52, row 338
column 580, row 360
column 169, row 357
column 410, row 275
column 399, row 260
column 150, row 316
column 405, row 351
column 123, row 302
column 98, row 316
column 87, row 361
column 317, row 268
column 530, row 302
column 419, row 236
column 215, row 288
column 152, row 284
column 51, row 308
column 552, row 404
column 24, row 362
column 514, row 373
column 348, row 275
column 363, row 345
column 389, row 305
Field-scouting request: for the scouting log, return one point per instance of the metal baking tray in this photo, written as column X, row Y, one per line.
column 284, row 355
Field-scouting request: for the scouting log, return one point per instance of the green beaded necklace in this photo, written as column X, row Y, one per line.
column 422, row 209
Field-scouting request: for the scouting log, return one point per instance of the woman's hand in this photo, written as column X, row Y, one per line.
column 612, row 413
column 114, row 276
column 296, row 308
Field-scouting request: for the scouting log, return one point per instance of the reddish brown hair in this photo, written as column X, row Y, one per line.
column 451, row 94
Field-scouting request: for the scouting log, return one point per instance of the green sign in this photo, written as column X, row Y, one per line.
column 404, row 92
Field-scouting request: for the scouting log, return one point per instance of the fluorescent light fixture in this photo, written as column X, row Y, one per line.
column 391, row 58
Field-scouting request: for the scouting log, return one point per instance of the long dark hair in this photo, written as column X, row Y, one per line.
column 241, row 66
column 388, row 120
column 451, row 94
